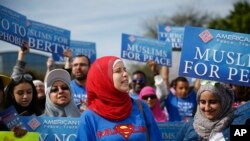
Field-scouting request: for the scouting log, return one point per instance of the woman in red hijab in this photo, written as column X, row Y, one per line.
column 112, row 114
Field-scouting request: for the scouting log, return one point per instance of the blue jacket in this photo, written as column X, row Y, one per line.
column 241, row 114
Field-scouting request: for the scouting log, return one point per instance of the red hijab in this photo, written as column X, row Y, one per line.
column 102, row 97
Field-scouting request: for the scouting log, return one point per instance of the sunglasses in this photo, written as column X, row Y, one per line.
column 19, row 77
column 141, row 80
column 213, row 83
column 56, row 89
column 149, row 96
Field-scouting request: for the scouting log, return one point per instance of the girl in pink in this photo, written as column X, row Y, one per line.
column 149, row 96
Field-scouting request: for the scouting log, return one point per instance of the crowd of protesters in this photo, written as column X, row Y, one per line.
column 102, row 97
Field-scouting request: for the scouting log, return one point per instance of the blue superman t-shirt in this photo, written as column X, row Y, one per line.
column 93, row 127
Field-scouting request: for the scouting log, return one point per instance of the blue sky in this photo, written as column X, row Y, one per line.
column 103, row 21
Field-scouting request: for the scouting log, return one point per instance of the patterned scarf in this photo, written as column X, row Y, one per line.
column 205, row 127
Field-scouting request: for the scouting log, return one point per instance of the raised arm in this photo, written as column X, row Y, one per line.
column 50, row 63
column 161, row 80
column 68, row 54
column 19, row 68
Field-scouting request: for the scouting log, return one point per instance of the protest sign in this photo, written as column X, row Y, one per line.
column 169, row 130
column 65, row 128
column 53, row 128
column 143, row 49
column 47, row 38
column 78, row 48
column 12, row 26
column 216, row 55
column 171, row 34
column 10, row 118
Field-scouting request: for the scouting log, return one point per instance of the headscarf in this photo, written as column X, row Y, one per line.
column 156, row 110
column 102, row 97
column 205, row 127
column 53, row 110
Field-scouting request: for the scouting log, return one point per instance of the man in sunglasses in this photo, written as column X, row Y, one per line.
column 138, row 82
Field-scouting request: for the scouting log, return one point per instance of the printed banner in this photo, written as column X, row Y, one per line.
column 143, row 49
column 65, row 128
column 169, row 130
column 53, row 128
column 171, row 34
column 12, row 26
column 10, row 118
column 216, row 55
column 47, row 38
column 79, row 47
column 9, row 136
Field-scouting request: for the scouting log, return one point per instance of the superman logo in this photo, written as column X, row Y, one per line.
column 124, row 129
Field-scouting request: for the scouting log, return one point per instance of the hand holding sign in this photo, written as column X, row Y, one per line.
column 19, row 131
column 25, row 47
column 83, row 106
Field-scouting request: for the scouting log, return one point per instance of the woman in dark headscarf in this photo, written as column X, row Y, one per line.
column 213, row 117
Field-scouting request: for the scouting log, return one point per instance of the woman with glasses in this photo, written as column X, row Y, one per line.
column 21, row 92
column 149, row 96
column 59, row 98
column 112, row 115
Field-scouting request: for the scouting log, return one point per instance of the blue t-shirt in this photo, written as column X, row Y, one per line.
column 79, row 92
column 96, row 128
column 134, row 95
column 180, row 109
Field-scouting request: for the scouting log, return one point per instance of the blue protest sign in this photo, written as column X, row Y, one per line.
column 171, row 34
column 65, row 128
column 12, row 26
column 79, row 48
column 11, row 118
column 169, row 130
column 47, row 38
column 53, row 128
column 216, row 55
column 86, row 48
column 143, row 49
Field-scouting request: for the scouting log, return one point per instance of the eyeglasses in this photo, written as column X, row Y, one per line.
column 149, row 96
column 140, row 80
column 56, row 89
column 19, row 77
